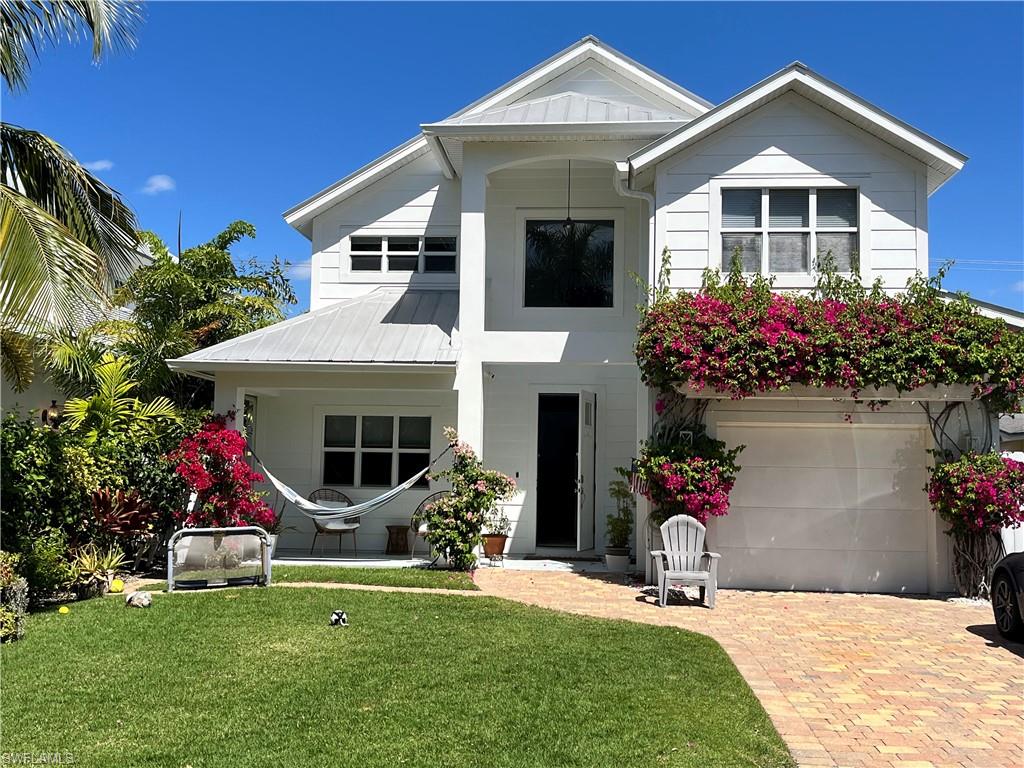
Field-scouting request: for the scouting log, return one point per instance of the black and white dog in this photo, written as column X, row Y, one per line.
column 339, row 619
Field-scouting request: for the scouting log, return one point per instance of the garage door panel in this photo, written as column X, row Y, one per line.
column 826, row 507
column 849, row 446
column 891, row 530
column 817, row 488
column 823, row 570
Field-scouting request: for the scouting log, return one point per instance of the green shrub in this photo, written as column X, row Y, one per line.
column 47, row 567
column 13, row 599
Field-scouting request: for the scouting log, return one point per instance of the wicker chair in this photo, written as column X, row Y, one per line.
column 337, row 528
column 418, row 526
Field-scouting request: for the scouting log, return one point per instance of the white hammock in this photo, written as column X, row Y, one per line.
column 321, row 512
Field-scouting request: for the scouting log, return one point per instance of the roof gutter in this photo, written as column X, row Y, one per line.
column 623, row 179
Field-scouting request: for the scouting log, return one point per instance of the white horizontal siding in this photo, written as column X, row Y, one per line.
column 790, row 138
column 414, row 200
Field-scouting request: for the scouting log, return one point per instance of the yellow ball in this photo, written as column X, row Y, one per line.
column 63, row 609
column 117, row 586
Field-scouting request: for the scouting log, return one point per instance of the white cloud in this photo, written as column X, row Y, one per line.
column 159, row 183
column 1019, row 286
column 98, row 165
column 301, row 270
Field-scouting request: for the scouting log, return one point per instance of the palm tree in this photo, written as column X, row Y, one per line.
column 66, row 238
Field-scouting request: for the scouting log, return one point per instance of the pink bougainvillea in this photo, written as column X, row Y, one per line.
column 212, row 463
column 741, row 337
column 978, row 493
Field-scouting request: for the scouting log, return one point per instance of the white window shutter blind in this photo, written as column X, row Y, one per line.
column 741, row 208
column 788, row 208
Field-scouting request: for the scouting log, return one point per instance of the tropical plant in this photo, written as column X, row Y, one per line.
column 112, row 408
column 740, row 337
column 47, row 567
column 66, row 238
column 978, row 495
column 454, row 522
column 93, row 569
column 212, row 463
column 619, row 526
column 13, row 598
column 687, row 477
column 178, row 305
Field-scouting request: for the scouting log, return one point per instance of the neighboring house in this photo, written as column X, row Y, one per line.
column 440, row 295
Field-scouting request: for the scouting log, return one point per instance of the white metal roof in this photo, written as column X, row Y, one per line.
column 565, row 107
column 389, row 325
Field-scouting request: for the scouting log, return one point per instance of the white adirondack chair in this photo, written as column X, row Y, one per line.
column 683, row 561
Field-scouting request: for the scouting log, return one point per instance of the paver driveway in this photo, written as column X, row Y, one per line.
column 848, row 680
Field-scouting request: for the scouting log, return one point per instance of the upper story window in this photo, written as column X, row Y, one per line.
column 569, row 265
column 402, row 253
column 778, row 230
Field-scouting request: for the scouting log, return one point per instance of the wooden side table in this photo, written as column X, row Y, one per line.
column 398, row 540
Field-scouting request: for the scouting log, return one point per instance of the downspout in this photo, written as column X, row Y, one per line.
column 623, row 181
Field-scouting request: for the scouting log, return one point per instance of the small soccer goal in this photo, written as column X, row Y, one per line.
column 199, row 558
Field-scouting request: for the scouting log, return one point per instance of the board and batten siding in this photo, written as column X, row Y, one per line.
column 416, row 199
column 793, row 142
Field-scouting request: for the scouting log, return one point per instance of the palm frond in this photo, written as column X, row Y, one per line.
column 44, row 172
column 16, row 358
column 71, row 360
column 45, row 271
column 27, row 26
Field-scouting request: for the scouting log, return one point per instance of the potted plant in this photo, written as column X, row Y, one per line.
column 619, row 525
column 498, row 528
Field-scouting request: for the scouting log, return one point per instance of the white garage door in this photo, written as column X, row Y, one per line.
column 826, row 507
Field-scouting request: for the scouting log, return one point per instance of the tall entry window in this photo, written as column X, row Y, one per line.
column 569, row 265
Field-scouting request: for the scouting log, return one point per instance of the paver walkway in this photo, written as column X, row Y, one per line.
column 848, row 680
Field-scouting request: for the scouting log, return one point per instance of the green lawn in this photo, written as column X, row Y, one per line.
column 391, row 577
column 256, row 677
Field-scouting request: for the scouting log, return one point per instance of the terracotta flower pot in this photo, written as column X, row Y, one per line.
column 494, row 546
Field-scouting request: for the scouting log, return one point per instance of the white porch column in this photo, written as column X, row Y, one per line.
column 229, row 395
column 643, row 506
column 472, row 297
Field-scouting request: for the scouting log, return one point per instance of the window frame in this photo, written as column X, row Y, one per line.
column 395, row 414
column 801, row 279
column 386, row 254
column 556, row 315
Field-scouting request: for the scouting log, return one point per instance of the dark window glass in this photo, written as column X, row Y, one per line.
column 411, row 463
column 376, row 469
column 377, row 431
column 404, row 244
column 434, row 262
column 366, row 244
column 837, row 208
column 569, row 266
column 340, row 431
column 403, row 263
column 414, row 432
column 747, row 247
column 788, row 208
column 339, row 468
column 439, row 245
column 365, row 263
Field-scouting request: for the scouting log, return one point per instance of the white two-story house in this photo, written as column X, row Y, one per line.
column 481, row 275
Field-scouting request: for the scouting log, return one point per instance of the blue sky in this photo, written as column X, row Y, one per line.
column 240, row 110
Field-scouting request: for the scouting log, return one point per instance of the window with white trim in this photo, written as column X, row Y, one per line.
column 777, row 230
column 403, row 253
column 374, row 451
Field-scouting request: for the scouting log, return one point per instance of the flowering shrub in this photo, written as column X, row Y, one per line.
column 212, row 463
column 688, row 478
column 454, row 522
column 740, row 337
column 978, row 493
